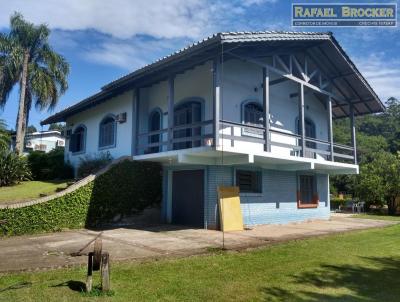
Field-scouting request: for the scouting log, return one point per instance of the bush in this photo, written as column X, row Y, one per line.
column 126, row 188
column 13, row 168
column 92, row 164
column 337, row 202
column 48, row 166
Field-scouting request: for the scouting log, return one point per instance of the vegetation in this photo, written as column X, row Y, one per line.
column 378, row 141
column 376, row 217
column 28, row 60
column 51, row 165
column 13, row 168
column 318, row 269
column 90, row 164
column 379, row 181
column 126, row 188
column 31, row 129
column 4, row 135
column 57, row 126
column 28, row 190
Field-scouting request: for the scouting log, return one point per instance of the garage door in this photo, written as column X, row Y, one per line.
column 188, row 198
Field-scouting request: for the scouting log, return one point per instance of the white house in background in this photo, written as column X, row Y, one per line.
column 251, row 109
column 44, row 141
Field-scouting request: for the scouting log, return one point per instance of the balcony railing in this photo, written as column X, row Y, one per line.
column 198, row 135
column 158, row 141
column 315, row 148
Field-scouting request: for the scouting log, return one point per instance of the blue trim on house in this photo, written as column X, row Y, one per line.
column 115, row 132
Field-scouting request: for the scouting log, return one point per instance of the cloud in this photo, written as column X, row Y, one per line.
column 129, row 55
column 119, row 18
column 382, row 73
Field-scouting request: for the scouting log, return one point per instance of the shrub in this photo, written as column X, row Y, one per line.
column 91, row 164
column 46, row 166
column 337, row 202
column 126, row 188
column 13, row 168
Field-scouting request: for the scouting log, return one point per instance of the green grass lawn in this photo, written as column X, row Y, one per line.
column 377, row 217
column 29, row 190
column 357, row 266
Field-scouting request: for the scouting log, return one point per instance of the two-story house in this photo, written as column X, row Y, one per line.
column 249, row 109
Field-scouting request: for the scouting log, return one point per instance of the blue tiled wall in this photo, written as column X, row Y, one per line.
column 276, row 204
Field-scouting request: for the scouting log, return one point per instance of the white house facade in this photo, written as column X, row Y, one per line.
column 253, row 110
column 43, row 141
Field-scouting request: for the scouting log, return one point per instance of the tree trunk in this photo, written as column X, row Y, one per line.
column 20, row 137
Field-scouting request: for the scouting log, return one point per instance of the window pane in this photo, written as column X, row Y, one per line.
column 249, row 181
column 307, row 188
column 107, row 133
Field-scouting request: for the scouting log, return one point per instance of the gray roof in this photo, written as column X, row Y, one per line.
column 326, row 49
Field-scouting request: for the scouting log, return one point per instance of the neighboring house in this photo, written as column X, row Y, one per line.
column 253, row 110
column 44, row 141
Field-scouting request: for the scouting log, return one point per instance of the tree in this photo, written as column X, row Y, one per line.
column 27, row 59
column 4, row 136
column 379, row 181
column 58, row 127
column 31, row 129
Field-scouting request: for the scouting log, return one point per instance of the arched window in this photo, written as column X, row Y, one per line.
column 154, row 125
column 77, row 140
column 185, row 114
column 107, row 132
column 253, row 114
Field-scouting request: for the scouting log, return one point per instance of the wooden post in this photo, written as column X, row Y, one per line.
column 353, row 133
column 302, row 120
column 267, row 143
column 105, row 272
column 330, row 127
column 216, row 99
column 171, row 97
column 89, row 278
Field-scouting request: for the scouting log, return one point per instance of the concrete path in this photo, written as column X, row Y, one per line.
column 54, row 250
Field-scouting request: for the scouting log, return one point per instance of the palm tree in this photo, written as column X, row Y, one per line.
column 27, row 59
column 4, row 136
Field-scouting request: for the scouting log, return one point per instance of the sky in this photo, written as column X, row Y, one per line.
column 104, row 40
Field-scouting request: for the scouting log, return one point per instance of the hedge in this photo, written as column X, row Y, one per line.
column 126, row 188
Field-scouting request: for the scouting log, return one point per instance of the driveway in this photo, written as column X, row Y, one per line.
column 54, row 250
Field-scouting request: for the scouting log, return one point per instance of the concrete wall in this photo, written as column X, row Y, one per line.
column 277, row 204
column 91, row 119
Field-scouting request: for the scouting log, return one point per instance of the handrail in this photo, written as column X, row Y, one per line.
column 241, row 125
column 179, row 127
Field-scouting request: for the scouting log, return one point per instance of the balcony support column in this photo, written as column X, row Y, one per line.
column 171, row 96
column 302, row 123
column 353, row 133
column 135, row 122
column 216, row 99
column 330, row 128
column 267, row 143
